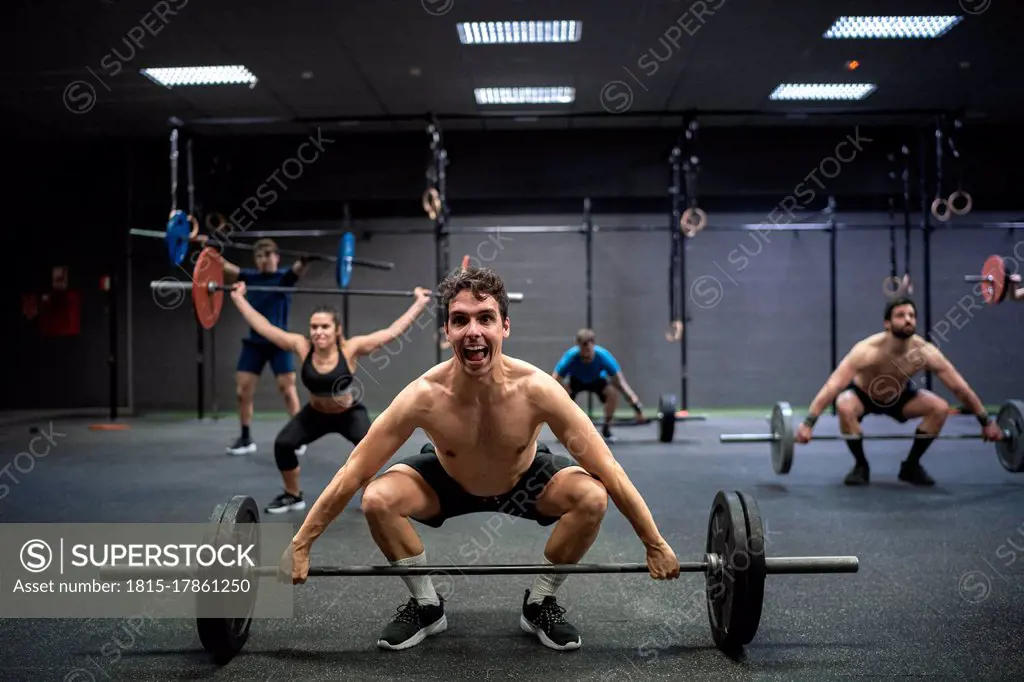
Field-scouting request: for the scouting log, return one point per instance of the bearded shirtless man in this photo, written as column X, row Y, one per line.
column 482, row 412
column 875, row 378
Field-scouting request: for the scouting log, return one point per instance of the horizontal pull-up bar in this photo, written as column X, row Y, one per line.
column 581, row 229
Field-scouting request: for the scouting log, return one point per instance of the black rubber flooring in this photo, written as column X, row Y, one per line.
column 939, row 593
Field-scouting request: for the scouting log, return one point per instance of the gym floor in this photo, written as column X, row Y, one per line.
column 939, row 592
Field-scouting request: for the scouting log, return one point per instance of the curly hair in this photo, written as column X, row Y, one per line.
column 480, row 281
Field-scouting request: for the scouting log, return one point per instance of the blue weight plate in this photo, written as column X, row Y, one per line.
column 178, row 230
column 346, row 252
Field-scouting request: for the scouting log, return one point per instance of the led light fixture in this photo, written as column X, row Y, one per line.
column 891, row 27
column 201, row 75
column 526, row 95
column 516, row 32
column 822, row 91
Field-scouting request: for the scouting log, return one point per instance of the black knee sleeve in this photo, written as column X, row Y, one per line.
column 284, row 455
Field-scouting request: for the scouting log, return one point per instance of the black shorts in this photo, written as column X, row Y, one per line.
column 520, row 501
column 892, row 406
column 596, row 387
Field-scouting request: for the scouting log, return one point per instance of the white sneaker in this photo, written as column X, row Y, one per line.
column 242, row 446
column 300, row 451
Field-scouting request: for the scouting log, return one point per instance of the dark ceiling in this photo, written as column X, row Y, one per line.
column 384, row 65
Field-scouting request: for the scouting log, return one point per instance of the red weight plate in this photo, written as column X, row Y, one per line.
column 209, row 268
column 994, row 290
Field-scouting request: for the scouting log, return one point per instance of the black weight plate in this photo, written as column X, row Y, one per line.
column 734, row 591
column 753, row 564
column 666, row 418
column 225, row 637
column 1011, row 450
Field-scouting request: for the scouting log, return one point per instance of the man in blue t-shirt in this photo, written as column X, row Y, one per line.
column 592, row 368
column 256, row 350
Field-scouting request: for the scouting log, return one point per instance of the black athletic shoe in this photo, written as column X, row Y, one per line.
column 413, row 623
column 242, row 446
column 286, row 502
column 546, row 620
column 859, row 475
column 915, row 474
column 606, row 433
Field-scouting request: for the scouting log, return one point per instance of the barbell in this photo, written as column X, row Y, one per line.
column 1009, row 450
column 666, row 418
column 207, row 287
column 996, row 282
column 178, row 237
column 734, row 565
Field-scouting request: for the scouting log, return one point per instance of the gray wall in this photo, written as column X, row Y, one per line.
column 762, row 335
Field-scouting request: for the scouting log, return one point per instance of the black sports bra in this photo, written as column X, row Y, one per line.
column 330, row 384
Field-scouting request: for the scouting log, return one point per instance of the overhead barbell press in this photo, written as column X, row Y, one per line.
column 734, row 565
column 1009, row 450
column 207, row 287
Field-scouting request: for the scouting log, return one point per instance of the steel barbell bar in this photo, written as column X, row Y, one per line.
column 1009, row 447
column 712, row 563
column 216, row 242
column 774, row 437
column 211, row 287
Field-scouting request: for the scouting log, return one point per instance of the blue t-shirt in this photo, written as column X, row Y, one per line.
column 603, row 365
column 272, row 305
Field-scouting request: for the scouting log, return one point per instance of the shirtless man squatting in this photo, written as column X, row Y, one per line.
column 483, row 412
column 875, row 378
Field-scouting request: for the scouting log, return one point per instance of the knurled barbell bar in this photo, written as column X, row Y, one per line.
column 207, row 287
column 177, row 239
column 1009, row 450
column 734, row 566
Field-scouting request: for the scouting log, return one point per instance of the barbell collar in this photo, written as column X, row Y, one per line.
column 777, row 566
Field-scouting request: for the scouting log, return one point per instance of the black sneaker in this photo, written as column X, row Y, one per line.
column 606, row 433
column 286, row 502
column 413, row 623
column 915, row 474
column 242, row 446
column 547, row 622
column 860, row 474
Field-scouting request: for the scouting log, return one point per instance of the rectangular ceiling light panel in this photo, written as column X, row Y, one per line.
column 201, row 75
column 519, row 32
column 860, row 28
column 525, row 95
column 822, row 91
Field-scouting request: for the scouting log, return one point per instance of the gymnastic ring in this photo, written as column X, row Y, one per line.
column 937, row 212
column 960, row 195
column 215, row 222
column 195, row 227
column 674, row 331
column 692, row 221
column 432, row 203
column 897, row 286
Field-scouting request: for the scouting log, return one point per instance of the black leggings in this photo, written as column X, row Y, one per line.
column 310, row 425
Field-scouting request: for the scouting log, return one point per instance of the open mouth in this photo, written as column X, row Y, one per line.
column 474, row 354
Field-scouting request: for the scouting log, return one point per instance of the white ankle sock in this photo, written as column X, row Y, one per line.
column 545, row 585
column 420, row 586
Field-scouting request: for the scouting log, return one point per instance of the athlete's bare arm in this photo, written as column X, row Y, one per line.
column 387, row 434
column 576, row 432
column 937, row 363
column 840, row 379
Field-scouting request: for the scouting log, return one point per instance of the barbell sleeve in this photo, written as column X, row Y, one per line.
column 775, row 566
column 172, row 285
column 978, row 278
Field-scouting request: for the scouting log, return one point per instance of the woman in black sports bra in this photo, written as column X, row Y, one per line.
column 328, row 363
